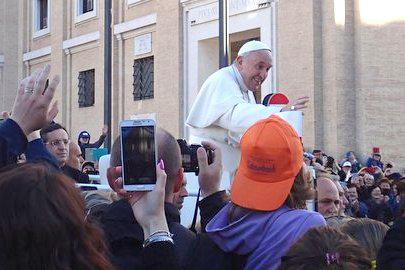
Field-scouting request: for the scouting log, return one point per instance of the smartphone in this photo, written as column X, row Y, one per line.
column 138, row 154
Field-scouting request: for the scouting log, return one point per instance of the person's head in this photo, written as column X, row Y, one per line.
column 325, row 248
column 271, row 160
column 351, row 157
column 327, row 197
column 377, row 196
column 43, row 223
column 377, row 157
column 330, row 163
column 75, row 156
column 347, row 166
column 88, row 167
column 253, row 63
column 368, row 180
column 385, row 186
column 368, row 233
column 352, row 194
column 301, row 190
column 57, row 141
column 84, row 137
column 317, row 153
column 169, row 151
column 401, row 187
column 308, row 159
column 356, row 180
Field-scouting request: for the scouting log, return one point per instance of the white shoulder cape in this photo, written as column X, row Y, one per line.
column 219, row 93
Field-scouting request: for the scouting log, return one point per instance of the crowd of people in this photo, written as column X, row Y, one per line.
column 287, row 209
column 371, row 191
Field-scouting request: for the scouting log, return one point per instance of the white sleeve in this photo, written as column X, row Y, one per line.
column 243, row 115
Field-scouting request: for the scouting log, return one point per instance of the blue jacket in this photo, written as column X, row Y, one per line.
column 13, row 142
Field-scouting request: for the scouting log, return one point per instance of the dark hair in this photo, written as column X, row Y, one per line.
column 350, row 185
column 319, row 161
column 49, row 128
column 368, row 233
column 401, row 187
column 316, row 246
column 43, row 223
column 316, row 151
column 385, row 180
column 329, row 162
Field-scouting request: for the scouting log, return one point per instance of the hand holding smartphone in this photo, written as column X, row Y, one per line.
column 138, row 154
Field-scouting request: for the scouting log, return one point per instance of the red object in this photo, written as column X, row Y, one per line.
column 376, row 150
column 370, row 170
column 274, row 99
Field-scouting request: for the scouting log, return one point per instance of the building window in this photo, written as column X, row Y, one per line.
column 86, row 88
column 87, row 6
column 85, row 10
column 41, row 17
column 143, row 78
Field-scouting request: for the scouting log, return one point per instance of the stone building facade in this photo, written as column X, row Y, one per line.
column 347, row 55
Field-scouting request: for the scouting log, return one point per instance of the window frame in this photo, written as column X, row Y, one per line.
column 131, row 3
column 80, row 16
column 37, row 32
column 86, row 105
column 141, row 94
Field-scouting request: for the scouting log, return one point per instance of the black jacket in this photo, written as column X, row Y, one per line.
column 96, row 144
column 76, row 175
column 194, row 251
column 125, row 236
column 392, row 252
column 380, row 212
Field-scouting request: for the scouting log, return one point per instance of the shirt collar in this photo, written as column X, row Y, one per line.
column 239, row 78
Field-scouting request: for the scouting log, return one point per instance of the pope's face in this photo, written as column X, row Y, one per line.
column 254, row 68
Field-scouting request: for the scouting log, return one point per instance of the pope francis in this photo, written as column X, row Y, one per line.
column 225, row 106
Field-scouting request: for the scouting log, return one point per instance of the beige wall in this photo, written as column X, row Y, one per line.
column 166, row 51
column 353, row 72
column 8, row 45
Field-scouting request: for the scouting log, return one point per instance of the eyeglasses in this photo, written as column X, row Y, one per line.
column 329, row 201
column 56, row 143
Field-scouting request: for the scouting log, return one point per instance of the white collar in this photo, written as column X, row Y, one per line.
column 239, row 78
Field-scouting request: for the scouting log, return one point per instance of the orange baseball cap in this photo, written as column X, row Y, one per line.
column 271, row 158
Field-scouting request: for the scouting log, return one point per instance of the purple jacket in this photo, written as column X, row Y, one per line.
column 264, row 236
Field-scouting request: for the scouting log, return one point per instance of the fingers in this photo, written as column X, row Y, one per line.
column 202, row 158
column 161, row 176
column 41, row 80
column 29, row 86
column 304, row 97
column 5, row 115
column 50, row 91
column 216, row 149
column 53, row 112
column 209, row 145
column 23, row 84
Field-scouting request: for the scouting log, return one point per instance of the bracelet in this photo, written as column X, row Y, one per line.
column 157, row 238
column 166, row 233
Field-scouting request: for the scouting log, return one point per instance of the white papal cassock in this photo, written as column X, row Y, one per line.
column 223, row 110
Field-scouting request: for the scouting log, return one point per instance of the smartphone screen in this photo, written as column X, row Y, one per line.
column 138, row 154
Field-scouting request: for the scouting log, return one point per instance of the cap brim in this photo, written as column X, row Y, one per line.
column 262, row 196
